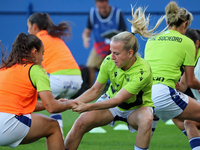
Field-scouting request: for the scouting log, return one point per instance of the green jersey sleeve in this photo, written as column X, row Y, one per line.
column 190, row 54
column 103, row 75
column 39, row 78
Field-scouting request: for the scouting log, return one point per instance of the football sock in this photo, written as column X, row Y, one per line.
column 154, row 124
column 138, row 148
column 58, row 117
column 195, row 143
column 184, row 132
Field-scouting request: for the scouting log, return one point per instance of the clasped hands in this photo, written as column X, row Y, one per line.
column 76, row 105
column 79, row 106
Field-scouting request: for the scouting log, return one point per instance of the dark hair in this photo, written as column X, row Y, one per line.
column 21, row 50
column 44, row 22
column 192, row 34
column 198, row 32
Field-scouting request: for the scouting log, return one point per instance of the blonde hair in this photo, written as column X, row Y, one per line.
column 176, row 15
column 140, row 24
column 129, row 40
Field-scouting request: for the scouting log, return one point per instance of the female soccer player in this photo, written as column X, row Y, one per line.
column 166, row 53
column 59, row 63
column 21, row 78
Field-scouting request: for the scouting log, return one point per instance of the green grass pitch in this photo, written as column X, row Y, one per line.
column 166, row 137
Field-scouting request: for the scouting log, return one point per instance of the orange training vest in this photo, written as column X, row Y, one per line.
column 57, row 55
column 17, row 94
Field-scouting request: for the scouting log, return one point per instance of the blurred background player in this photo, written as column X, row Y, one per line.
column 22, row 76
column 62, row 68
column 101, row 18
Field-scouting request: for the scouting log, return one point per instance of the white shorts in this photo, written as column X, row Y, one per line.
column 118, row 114
column 65, row 86
column 197, row 75
column 13, row 129
column 168, row 102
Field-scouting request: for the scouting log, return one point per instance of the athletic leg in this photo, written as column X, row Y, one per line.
column 192, row 129
column 43, row 126
column 142, row 119
column 154, row 124
column 57, row 89
column 85, row 123
column 191, row 112
column 94, row 61
column 180, row 124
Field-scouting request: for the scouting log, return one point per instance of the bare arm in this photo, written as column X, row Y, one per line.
column 182, row 85
column 120, row 97
column 191, row 80
column 39, row 106
column 55, row 106
column 86, row 37
column 91, row 94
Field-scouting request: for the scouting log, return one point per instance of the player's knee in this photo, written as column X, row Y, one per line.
column 146, row 121
column 188, row 124
column 81, row 123
column 53, row 123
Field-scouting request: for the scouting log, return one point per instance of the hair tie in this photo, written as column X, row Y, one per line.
column 133, row 33
column 45, row 15
column 188, row 17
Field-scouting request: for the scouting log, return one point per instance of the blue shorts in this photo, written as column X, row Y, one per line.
column 13, row 129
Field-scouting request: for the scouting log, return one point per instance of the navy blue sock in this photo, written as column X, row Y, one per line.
column 154, row 124
column 57, row 117
column 195, row 143
column 184, row 132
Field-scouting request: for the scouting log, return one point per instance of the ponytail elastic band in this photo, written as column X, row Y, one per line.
column 133, row 33
column 45, row 15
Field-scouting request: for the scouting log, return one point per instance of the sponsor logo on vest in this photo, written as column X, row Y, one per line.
column 159, row 79
column 170, row 38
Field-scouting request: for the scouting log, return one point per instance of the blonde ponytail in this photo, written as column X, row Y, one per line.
column 140, row 24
